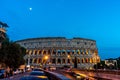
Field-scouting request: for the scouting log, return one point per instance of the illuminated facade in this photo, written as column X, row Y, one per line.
column 59, row 51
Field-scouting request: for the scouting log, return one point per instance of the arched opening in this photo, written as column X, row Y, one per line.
column 73, row 52
column 68, row 61
column 78, row 51
column 35, row 60
column 63, row 52
column 59, row 61
column 73, row 60
column 82, row 52
column 82, row 60
column 53, row 61
column 86, row 60
column 30, row 60
column 44, row 52
column 39, row 61
column 35, row 52
column 31, row 52
column 54, row 52
column 68, row 52
column 63, row 61
column 39, row 52
column 86, row 52
column 49, row 52
column 59, row 52
column 90, row 60
column 78, row 60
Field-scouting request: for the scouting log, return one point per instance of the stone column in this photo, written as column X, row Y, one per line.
column 56, row 61
column 38, row 52
column 66, row 61
column 33, row 52
column 37, row 60
column 61, row 61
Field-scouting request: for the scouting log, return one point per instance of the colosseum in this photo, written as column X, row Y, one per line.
column 59, row 51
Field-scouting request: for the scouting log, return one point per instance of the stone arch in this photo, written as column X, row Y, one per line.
column 91, row 61
column 63, row 61
column 63, row 52
column 53, row 61
column 44, row 52
column 82, row 60
column 78, row 51
column 68, row 52
column 58, row 52
column 27, row 51
column 30, row 52
column 73, row 52
column 35, row 60
column 35, row 53
column 82, row 51
column 86, row 60
column 59, row 61
column 39, row 60
column 49, row 52
column 68, row 61
column 86, row 52
column 78, row 60
column 53, row 52
column 31, row 60
column 39, row 52
column 73, row 60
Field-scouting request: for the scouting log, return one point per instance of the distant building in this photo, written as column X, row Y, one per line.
column 59, row 51
column 111, row 63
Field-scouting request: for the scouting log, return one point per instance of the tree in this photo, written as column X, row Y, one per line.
column 3, row 31
column 12, row 54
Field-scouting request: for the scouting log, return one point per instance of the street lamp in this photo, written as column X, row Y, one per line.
column 68, row 56
column 46, row 58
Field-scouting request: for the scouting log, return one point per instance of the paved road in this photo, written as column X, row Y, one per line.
column 70, row 76
column 90, row 74
column 65, row 74
column 105, row 76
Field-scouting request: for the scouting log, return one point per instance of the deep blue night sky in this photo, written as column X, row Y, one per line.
column 94, row 19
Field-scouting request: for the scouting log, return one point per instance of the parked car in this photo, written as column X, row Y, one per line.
column 34, row 78
column 17, row 72
column 2, row 73
column 69, row 70
column 80, row 76
column 37, row 73
column 37, row 69
column 52, row 68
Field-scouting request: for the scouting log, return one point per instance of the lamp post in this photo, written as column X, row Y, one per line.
column 116, row 65
column 46, row 58
column 28, row 61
